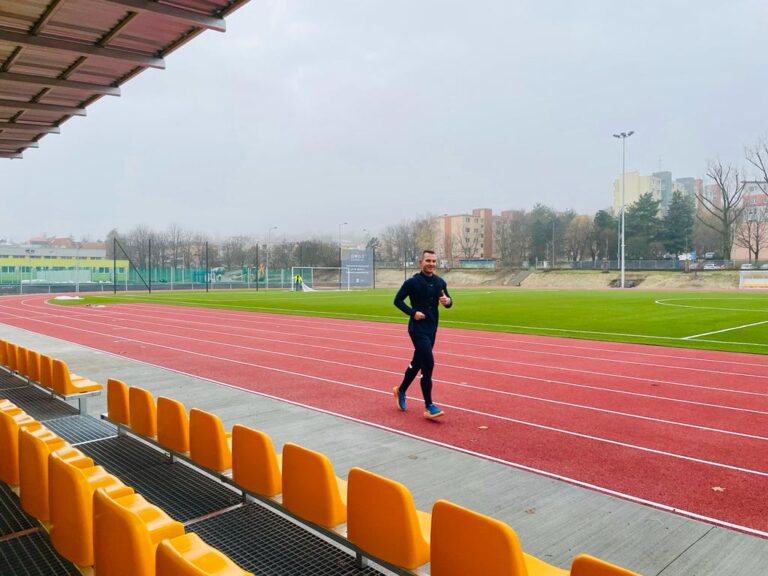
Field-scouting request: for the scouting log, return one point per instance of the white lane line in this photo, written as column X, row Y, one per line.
column 510, row 463
column 272, row 331
column 144, row 320
column 496, row 416
column 508, row 338
column 726, row 330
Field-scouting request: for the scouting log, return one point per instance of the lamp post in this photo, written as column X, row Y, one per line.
column 340, row 225
column 266, row 267
column 623, row 137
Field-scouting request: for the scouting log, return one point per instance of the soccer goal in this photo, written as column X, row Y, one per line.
column 314, row 278
column 754, row 279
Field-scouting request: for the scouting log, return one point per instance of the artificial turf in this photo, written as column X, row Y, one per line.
column 710, row 320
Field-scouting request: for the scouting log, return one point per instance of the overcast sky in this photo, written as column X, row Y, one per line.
column 306, row 114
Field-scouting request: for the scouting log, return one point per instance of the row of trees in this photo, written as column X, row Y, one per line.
column 710, row 223
column 179, row 248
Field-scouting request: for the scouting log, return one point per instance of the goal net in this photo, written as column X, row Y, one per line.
column 754, row 279
column 314, row 278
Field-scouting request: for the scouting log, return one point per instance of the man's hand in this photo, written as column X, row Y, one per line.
column 418, row 316
column 444, row 300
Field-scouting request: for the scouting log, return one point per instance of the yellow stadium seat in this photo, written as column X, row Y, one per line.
column 35, row 444
column 6, row 405
column 11, row 356
column 255, row 466
column 127, row 530
column 10, row 422
column 66, row 383
column 21, row 361
column 310, row 489
column 172, row 425
column 586, row 565
column 384, row 522
column 209, row 445
column 46, row 371
column 3, row 353
column 189, row 555
column 33, row 366
column 465, row 542
column 72, row 482
column 141, row 406
column 118, row 409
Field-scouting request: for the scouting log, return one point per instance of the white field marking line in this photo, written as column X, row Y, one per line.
column 477, row 412
column 272, row 332
column 444, row 321
column 180, row 318
column 466, row 451
column 479, row 388
column 501, row 338
column 148, row 304
column 671, row 303
column 725, row 330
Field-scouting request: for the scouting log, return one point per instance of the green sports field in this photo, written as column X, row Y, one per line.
column 734, row 321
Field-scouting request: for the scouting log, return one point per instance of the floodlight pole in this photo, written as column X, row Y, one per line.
column 623, row 137
column 340, row 225
column 266, row 268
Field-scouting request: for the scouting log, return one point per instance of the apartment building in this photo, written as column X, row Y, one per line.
column 462, row 236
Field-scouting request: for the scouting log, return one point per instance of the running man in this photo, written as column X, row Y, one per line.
column 426, row 292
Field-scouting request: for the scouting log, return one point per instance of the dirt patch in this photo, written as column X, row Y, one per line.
column 575, row 279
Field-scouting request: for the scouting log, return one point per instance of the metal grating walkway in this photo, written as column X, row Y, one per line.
column 8, row 381
column 33, row 555
column 39, row 404
column 182, row 492
column 267, row 544
column 12, row 517
column 122, row 455
column 76, row 429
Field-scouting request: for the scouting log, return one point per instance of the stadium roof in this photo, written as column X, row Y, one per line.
column 59, row 56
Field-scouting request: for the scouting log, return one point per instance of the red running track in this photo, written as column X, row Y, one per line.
column 685, row 430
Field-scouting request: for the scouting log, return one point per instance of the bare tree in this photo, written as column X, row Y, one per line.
column 465, row 244
column 577, row 237
column 752, row 232
column 725, row 207
column 758, row 157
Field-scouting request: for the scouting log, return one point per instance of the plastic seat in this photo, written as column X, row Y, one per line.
column 141, row 406
column 33, row 366
column 383, row 521
column 46, row 371
column 3, row 354
column 10, row 422
column 255, row 465
column 189, row 555
column 11, row 351
column 586, row 565
column 66, row 383
column 467, row 542
column 127, row 530
column 72, row 482
column 172, row 425
column 6, row 405
column 310, row 488
column 209, row 445
column 118, row 409
column 35, row 444
column 21, row 361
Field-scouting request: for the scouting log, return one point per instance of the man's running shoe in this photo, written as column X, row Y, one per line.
column 432, row 411
column 399, row 397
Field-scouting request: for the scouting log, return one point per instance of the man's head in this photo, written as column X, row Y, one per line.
column 428, row 262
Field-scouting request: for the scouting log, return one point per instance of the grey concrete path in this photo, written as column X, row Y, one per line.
column 553, row 519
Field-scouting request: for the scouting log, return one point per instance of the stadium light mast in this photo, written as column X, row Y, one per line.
column 340, row 225
column 266, row 267
column 623, row 137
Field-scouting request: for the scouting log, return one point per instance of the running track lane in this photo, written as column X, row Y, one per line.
column 683, row 429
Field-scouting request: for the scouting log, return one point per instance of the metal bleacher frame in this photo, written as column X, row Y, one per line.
column 255, row 532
